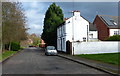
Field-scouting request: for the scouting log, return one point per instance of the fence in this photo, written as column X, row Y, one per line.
column 96, row 47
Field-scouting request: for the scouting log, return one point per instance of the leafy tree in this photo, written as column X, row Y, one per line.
column 53, row 18
column 114, row 38
column 35, row 38
column 13, row 23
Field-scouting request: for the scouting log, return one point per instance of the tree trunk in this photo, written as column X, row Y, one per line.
column 3, row 46
column 10, row 46
column 0, row 47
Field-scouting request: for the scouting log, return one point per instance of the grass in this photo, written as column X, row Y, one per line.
column 6, row 54
column 111, row 58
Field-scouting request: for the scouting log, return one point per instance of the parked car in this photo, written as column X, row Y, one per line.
column 50, row 50
column 30, row 45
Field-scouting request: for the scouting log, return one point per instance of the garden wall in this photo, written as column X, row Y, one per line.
column 96, row 47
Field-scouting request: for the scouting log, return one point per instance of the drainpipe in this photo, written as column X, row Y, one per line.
column 87, row 33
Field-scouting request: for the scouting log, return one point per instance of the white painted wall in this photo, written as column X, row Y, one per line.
column 96, row 47
column 76, row 27
column 59, row 38
column 94, row 35
column 112, row 31
column 81, row 27
column 68, row 29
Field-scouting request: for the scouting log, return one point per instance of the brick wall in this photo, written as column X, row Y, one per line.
column 103, row 30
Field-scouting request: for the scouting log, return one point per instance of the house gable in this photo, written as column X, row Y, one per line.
column 103, row 30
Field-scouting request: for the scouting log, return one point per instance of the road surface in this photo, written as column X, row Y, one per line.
column 33, row 61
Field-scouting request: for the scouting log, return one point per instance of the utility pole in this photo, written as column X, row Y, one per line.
column 73, row 33
column 87, row 33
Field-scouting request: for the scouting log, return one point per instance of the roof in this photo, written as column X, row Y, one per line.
column 75, row 11
column 92, row 27
column 69, row 18
column 111, row 21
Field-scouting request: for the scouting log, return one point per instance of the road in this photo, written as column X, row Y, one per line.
column 33, row 61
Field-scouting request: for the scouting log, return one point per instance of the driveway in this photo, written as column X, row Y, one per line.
column 33, row 61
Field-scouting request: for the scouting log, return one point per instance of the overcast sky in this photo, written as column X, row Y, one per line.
column 35, row 11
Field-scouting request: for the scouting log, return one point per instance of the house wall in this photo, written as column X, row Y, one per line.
column 112, row 32
column 75, row 27
column 68, row 29
column 103, row 30
column 96, row 47
column 59, row 38
column 94, row 35
column 81, row 28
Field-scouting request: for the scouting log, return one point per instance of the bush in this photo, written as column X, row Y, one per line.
column 114, row 38
column 15, row 46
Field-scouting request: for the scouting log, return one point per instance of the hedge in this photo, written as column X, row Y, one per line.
column 15, row 46
column 113, row 38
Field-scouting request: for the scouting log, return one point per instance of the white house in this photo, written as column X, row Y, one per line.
column 93, row 33
column 73, row 29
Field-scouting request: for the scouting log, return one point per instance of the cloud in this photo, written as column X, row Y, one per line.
column 34, row 16
column 36, row 28
column 62, row 0
column 35, row 11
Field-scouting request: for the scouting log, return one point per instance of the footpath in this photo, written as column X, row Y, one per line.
column 108, row 68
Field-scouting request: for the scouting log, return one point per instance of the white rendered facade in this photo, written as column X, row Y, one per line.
column 114, row 32
column 76, row 28
column 93, row 35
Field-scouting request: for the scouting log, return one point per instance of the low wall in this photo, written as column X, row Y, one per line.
column 96, row 47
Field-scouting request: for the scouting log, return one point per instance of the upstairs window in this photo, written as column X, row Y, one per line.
column 68, row 21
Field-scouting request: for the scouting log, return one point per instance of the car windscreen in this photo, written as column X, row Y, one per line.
column 50, row 48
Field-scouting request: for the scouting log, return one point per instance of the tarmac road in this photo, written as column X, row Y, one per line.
column 33, row 61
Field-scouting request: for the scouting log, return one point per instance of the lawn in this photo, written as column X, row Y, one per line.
column 6, row 54
column 112, row 58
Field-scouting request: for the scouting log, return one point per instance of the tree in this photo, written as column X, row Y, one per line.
column 13, row 23
column 53, row 18
column 36, row 40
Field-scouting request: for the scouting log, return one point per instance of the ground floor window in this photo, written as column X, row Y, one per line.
column 116, row 32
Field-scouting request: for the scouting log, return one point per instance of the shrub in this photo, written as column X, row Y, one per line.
column 15, row 46
column 114, row 38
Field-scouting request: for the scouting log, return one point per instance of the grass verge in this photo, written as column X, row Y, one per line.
column 6, row 54
column 111, row 58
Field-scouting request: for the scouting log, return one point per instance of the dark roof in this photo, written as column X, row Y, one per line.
column 111, row 21
column 92, row 27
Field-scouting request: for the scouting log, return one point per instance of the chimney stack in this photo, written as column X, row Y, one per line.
column 76, row 13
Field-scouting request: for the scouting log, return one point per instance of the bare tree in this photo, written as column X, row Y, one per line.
column 13, row 23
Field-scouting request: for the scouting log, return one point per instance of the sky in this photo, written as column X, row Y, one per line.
column 35, row 12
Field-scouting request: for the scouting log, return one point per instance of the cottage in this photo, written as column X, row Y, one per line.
column 73, row 29
column 107, row 26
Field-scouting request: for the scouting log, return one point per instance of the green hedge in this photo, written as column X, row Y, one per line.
column 15, row 46
column 114, row 38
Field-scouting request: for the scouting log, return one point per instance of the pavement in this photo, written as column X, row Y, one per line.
column 108, row 68
column 34, row 61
